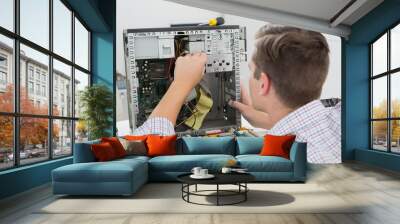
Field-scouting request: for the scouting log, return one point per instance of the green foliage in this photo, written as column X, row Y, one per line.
column 96, row 102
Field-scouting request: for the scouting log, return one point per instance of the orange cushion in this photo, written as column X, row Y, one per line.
column 277, row 145
column 103, row 152
column 161, row 145
column 136, row 137
column 116, row 145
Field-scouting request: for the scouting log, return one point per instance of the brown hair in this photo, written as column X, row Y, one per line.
column 295, row 60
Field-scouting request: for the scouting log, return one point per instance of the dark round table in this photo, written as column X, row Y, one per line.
column 238, row 179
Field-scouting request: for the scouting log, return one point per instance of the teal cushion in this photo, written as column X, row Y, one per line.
column 249, row 145
column 111, row 171
column 185, row 163
column 257, row 163
column 83, row 152
column 133, row 157
column 207, row 145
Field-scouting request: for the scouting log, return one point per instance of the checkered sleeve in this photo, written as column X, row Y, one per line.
column 318, row 124
column 156, row 126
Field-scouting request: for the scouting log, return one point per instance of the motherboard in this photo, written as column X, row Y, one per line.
column 150, row 56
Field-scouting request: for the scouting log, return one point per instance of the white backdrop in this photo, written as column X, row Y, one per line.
column 158, row 13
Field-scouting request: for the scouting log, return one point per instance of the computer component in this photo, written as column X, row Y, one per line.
column 150, row 56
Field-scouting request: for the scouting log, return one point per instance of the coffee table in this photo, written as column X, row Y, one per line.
column 238, row 179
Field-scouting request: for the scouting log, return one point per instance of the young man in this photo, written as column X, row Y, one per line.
column 288, row 70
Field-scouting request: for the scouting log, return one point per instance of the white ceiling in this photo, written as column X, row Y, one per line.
column 320, row 9
column 324, row 16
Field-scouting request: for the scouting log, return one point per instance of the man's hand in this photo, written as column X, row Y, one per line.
column 189, row 70
column 255, row 117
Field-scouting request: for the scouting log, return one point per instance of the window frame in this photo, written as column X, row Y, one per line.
column 16, row 114
column 388, row 74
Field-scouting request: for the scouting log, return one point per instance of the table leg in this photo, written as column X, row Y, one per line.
column 245, row 193
column 217, row 194
column 196, row 187
column 188, row 190
column 182, row 189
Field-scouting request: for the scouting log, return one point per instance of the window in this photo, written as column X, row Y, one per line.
column 62, row 137
column 3, row 61
column 30, row 87
column 81, row 45
column 30, row 72
column 35, row 21
column 3, row 72
column 385, row 96
column 33, row 147
column 81, row 81
column 3, row 78
column 44, row 91
column 6, row 74
column 62, row 31
column 37, row 89
column 62, row 74
column 7, row 14
column 395, row 47
column 6, row 142
column 45, row 117
column 37, row 75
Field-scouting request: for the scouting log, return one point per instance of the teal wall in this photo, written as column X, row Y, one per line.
column 24, row 178
column 356, row 85
column 103, row 64
column 100, row 17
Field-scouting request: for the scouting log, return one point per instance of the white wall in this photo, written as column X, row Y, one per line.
column 158, row 13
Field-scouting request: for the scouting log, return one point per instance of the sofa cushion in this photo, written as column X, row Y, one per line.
column 277, row 145
column 257, row 163
column 185, row 163
column 116, row 145
column 130, row 158
column 103, row 152
column 112, row 171
column 134, row 147
column 159, row 145
column 83, row 152
column 249, row 145
column 136, row 137
column 207, row 145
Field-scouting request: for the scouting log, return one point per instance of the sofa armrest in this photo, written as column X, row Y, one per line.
column 83, row 152
column 298, row 155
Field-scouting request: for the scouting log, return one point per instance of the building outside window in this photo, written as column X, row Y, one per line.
column 43, row 77
column 37, row 75
column 3, row 61
column 3, row 78
column 38, row 89
column 57, row 129
column 43, row 90
column 30, row 72
column 3, row 72
column 30, row 87
column 385, row 95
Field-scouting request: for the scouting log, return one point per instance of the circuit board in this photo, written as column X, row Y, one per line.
column 150, row 56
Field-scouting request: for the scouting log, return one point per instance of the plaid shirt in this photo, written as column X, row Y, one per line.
column 156, row 126
column 318, row 124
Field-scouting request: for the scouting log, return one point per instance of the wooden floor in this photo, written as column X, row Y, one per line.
column 378, row 188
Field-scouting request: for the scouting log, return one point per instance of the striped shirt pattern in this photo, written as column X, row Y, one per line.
column 156, row 126
column 317, row 123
